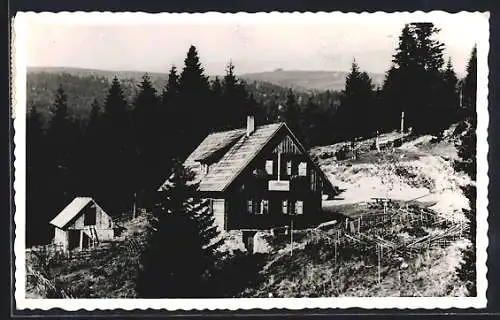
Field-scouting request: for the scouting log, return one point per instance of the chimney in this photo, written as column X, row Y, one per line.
column 250, row 125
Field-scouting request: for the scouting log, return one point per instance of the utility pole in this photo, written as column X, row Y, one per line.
column 402, row 122
column 134, row 207
column 291, row 237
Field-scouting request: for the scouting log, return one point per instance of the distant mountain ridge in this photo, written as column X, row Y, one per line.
column 298, row 79
column 308, row 80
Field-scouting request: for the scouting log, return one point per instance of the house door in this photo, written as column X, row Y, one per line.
column 73, row 239
column 86, row 240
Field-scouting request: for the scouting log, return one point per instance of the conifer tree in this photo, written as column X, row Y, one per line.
column 467, row 163
column 234, row 99
column 290, row 113
column 116, row 152
column 449, row 106
column 171, row 90
column 182, row 245
column 94, row 118
column 195, row 117
column 355, row 115
column 148, row 127
column 36, row 222
column 415, row 78
column 60, row 138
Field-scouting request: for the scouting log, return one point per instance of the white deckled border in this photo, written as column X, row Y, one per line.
column 19, row 70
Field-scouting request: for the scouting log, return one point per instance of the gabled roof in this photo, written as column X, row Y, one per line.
column 211, row 145
column 234, row 151
column 222, row 173
column 70, row 211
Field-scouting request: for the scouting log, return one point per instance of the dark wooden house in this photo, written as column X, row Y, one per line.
column 82, row 224
column 258, row 178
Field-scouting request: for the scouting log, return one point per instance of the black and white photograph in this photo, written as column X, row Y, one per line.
column 312, row 160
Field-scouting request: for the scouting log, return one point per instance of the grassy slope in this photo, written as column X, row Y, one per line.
column 108, row 272
column 425, row 168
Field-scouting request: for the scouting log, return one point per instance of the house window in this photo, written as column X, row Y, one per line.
column 289, row 168
column 264, row 207
column 313, row 181
column 250, row 206
column 284, row 206
column 299, row 207
column 303, row 169
column 89, row 218
column 269, row 167
column 205, row 167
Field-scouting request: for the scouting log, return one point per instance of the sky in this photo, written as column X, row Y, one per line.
column 254, row 43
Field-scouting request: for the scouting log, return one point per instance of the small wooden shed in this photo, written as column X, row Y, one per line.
column 82, row 224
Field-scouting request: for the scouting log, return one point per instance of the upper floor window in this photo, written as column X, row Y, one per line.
column 89, row 218
column 249, row 206
column 289, row 168
column 269, row 167
column 303, row 169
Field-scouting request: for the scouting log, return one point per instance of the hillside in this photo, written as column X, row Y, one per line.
column 411, row 247
column 82, row 86
column 308, row 80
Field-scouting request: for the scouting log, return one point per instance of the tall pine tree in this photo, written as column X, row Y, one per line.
column 60, row 145
column 148, row 128
column 414, row 83
column 195, row 117
column 116, row 152
column 182, row 245
column 355, row 116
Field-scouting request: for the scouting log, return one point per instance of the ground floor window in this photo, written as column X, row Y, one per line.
column 284, row 206
column 258, row 206
column 299, row 207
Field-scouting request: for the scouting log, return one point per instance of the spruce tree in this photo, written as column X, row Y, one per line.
column 234, row 99
column 195, row 117
column 449, row 105
column 467, row 163
column 117, row 153
column 415, row 78
column 148, row 128
column 290, row 113
column 182, row 244
column 36, row 176
column 355, row 114
column 171, row 90
column 60, row 144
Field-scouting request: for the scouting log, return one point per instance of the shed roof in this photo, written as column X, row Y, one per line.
column 70, row 211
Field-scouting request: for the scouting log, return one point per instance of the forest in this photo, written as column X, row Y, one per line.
column 118, row 142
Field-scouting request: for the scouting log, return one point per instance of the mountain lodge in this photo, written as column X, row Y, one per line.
column 258, row 178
